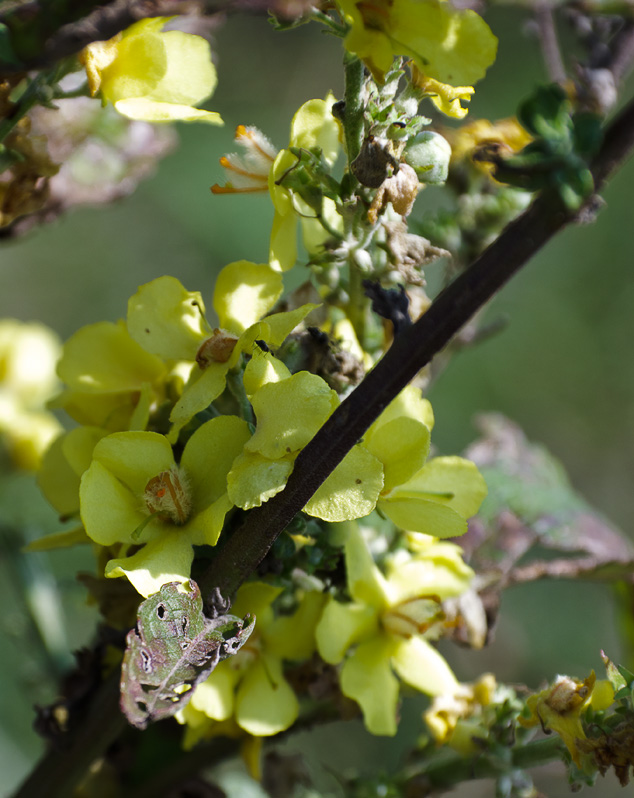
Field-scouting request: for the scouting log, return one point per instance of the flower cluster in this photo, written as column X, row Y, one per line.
column 181, row 422
column 186, row 420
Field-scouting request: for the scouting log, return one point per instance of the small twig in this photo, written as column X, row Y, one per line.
column 550, row 44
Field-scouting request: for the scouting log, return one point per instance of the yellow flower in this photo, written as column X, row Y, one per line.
column 289, row 411
column 503, row 137
column 445, row 97
column 251, row 686
column 112, row 382
column 153, row 75
column 560, row 706
column 312, row 126
column 262, row 166
column 387, row 625
column 436, row 496
column 169, row 321
column 449, row 45
column 135, row 494
column 448, row 717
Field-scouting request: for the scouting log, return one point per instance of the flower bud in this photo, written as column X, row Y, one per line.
column 429, row 153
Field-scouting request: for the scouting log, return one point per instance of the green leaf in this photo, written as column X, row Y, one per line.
column 173, row 649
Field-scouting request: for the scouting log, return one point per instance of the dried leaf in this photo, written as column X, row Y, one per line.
column 531, row 504
column 173, row 649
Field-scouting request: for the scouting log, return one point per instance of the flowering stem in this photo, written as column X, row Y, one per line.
column 450, row 770
column 410, row 352
column 353, row 113
column 357, row 304
column 236, row 387
column 40, row 91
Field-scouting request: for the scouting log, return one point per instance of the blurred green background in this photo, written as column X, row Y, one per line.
column 562, row 368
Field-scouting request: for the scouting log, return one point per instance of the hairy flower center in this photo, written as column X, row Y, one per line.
column 414, row 617
column 168, row 496
column 216, row 349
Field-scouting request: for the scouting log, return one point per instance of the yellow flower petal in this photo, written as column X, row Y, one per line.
column 293, row 636
column 152, row 74
column 421, row 666
column 289, row 413
column 59, row 540
column 283, row 244
column 421, row 515
column 103, row 357
column 134, row 457
column 244, row 293
column 254, row 479
column 110, row 512
column 215, row 696
column 451, row 481
column 444, row 575
column 402, row 445
column 261, row 369
column 209, row 454
column 265, row 701
column 342, row 625
column 167, row 559
column 352, row 489
column 282, row 324
column 367, row 677
column 314, row 126
column 167, row 320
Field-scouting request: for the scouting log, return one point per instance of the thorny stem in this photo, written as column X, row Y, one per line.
column 61, row 770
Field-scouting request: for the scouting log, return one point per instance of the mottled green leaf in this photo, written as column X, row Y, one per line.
column 531, row 504
column 173, row 649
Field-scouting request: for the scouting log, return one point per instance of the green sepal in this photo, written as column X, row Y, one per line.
column 9, row 157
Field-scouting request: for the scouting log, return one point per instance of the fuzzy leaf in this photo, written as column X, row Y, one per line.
column 173, row 649
column 531, row 504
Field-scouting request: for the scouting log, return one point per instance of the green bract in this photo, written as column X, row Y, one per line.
column 123, row 499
